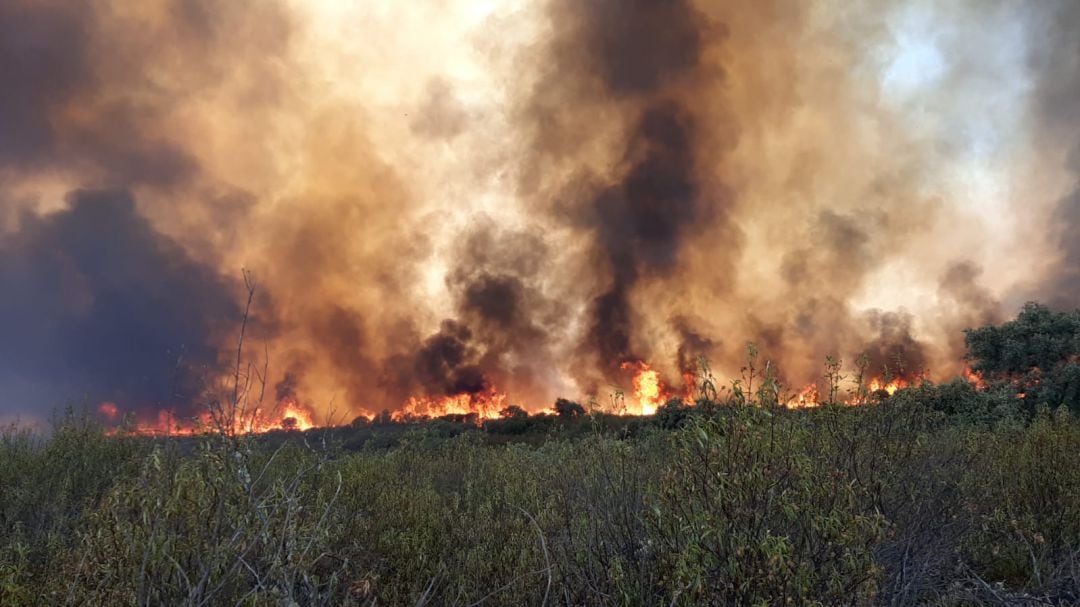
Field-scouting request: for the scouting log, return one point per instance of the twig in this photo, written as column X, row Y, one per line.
column 547, row 558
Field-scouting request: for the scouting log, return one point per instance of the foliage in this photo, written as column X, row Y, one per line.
column 568, row 409
column 934, row 496
column 748, row 514
column 672, row 414
column 1038, row 353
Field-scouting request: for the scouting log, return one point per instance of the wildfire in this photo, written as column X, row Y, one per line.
column 649, row 393
column 485, row 405
column 287, row 415
column 108, row 410
column 649, row 390
column 974, row 378
column 877, row 385
column 292, row 416
column 807, row 398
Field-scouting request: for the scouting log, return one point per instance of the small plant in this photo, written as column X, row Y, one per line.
column 750, row 370
column 833, row 377
column 768, row 394
column 862, row 363
column 706, row 381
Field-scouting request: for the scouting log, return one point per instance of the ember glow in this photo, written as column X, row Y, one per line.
column 437, row 198
column 109, row 410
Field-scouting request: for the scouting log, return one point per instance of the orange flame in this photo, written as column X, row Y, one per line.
column 649, row 393
column 292, row 416
column 485, row 405
column 807, row 398
column 287, row 415
column 877, row 385
column 974, row 378
column 649, row 390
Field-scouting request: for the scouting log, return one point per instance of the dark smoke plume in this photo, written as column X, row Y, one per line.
column 613, row 57
column 97, row 306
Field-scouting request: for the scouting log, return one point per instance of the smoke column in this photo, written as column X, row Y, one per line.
column 458, row 198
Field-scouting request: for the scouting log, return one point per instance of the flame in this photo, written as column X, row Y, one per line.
column 649, row 390
column 974, row 378
column 877, row 385
column 689, row 386
column 292, row 417
column 287, row 415
column 807, row 398
column 484, row 405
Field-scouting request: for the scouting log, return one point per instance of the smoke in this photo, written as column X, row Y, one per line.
column 99, row 306
column 1058, row 120
column 644, row 94
column 440, row 198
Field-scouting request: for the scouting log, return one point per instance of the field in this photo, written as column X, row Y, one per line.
column 896, row 503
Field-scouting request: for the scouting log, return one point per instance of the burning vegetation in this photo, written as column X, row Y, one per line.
column 957, row 493
column 1033, row 359
column 734, row 278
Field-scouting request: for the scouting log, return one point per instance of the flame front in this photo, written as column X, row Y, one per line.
column 649, row 393
column 807, row 398
column 484, row 405
column 890, row 387
column 288, row 414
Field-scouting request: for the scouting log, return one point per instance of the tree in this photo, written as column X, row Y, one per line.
column 1038, row 353
column 513, row 412
column 568, row 409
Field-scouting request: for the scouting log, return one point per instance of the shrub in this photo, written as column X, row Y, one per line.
column 746, row 516
column 568, row 409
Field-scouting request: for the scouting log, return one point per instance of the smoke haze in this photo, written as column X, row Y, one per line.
column 441, row 198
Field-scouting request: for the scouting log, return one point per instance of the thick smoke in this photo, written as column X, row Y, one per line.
column 639, row 223
column 521, row 200
column 1058, row 117
column 99, row 306
column 649, row 86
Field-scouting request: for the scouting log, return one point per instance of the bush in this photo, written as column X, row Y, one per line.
column 748, row 516
column 568, row 409
column 672, row 414
column 1036, row 353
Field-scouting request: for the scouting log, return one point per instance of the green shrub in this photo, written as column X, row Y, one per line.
column 747, row 517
